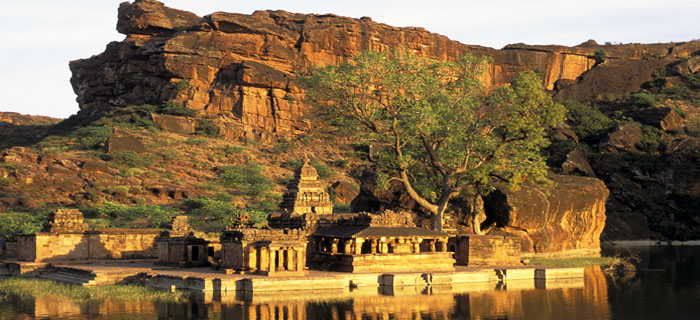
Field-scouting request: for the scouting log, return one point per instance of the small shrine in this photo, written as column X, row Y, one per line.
column 179, row 246
column 306, row 194
column 272, row 252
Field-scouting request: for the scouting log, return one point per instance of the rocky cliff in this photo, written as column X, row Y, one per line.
column 239, row 68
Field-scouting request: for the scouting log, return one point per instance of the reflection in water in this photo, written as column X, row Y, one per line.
column 516, row 299
column 666, row 287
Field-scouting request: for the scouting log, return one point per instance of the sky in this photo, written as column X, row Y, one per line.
column 40, row 37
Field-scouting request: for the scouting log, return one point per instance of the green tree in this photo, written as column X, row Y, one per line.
column 443, row 134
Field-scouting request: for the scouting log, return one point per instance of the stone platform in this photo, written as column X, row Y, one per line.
column 209, row 280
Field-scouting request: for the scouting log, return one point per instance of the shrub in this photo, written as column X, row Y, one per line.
column 182, row 85
column 92, row 137
column 340, row 163
column 341, row 208
column 586, row 120
column 643, row 99
column 234, row 150
column 247, row 180
column 14, row 223
column 177, row 109
column 206, row 128
column 600, row 56
column 650, row 139
column 324, row 172
column 196, row 142
column 214, row 215
column 141, row 215
column 5, row 182
column 693, row 127
column 132, row 159
column 292, row 164
column 281, row 146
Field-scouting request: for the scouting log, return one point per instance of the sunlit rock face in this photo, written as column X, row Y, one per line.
column 240, row 67
column 567, row 218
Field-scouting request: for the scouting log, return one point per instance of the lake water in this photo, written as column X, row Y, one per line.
column 667, row 286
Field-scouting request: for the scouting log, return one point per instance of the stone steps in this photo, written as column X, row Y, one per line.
column 69, row 277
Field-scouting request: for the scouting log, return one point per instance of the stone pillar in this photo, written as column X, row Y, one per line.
column 358, row 245
column 299, row 253
column 383, row 246
column 290, row 259
column 443, row 245
column 373, row 248
column 348, row 246
column 334, row 245
column 431, row 243
column 273, row 267
column 264, row 259
column 416, row 245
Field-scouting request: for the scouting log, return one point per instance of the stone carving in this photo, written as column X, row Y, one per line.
column 65, row 221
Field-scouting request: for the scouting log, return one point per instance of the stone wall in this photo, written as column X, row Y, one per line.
column 101, row 244
column 402, row 262
column 486, row 250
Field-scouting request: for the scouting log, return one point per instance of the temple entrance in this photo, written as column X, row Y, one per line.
column 195, row 253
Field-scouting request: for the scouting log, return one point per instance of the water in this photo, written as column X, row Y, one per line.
column 666, row 287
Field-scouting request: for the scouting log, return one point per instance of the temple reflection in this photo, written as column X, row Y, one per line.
column 577, row 299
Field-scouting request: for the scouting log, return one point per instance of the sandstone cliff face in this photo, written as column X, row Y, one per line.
column 570, row 218
column 239, row 68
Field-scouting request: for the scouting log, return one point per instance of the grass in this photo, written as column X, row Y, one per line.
column 30, row 288
column 575, row 262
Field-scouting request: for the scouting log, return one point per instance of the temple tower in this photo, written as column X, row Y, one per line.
column 306, row 194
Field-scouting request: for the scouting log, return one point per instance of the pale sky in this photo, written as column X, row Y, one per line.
column 39, row 37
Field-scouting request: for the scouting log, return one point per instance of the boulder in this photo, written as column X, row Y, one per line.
column 568, row 218
column 624, row 138
column 663, row 118
column 344, row 192
column 122, row 141
column 576, row 162
column 174, row 124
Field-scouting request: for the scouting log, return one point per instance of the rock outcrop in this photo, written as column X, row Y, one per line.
column 240, row 68
column 570, row 218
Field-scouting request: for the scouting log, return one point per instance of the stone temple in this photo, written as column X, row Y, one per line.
column 306, row 194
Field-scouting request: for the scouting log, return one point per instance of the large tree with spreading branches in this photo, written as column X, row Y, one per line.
column 441, row 133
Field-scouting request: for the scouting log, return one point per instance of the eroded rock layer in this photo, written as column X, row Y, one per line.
column 240, row 67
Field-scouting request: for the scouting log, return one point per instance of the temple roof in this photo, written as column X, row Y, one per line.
column 373, row 232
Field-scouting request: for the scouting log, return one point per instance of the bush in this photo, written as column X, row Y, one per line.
column 141, row 215
column 14, row 223
column 292, row 164
column 132, row 159
column 214, row 215
column 234, row 150
column 246, row 180
column 644, row 99
column 281, row 146
column 650, row 140
column 182, row 85
column 206, row 128
column 340, row 163
column 5, row 182
column 324, row 172
column 196, row 142
column 587, row 121
column 600, row 56
column 693, row 127
column 177, row 109
column 92, row 137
